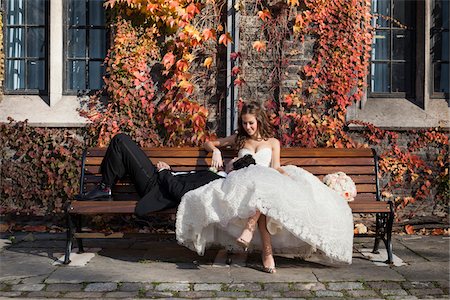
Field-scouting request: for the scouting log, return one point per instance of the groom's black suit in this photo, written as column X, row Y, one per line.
column 158, row 190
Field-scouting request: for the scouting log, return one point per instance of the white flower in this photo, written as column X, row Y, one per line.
column 342, row 184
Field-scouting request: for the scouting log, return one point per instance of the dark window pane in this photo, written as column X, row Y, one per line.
column 15, row 44
column 36, row 75
column 76, row 74
column 402, row 76
column 96, row 72
column 96, row 13
column 404, row 13
column 97, row 43
column 35, row 42
column 380, row 78
column 403, row 45
column 15, row 74
column 436, row 46
column 445, row 46
column 77, row 12
column 445, row 14
column 441, row 77
column 77, row 43
column 380, row 49
column 36, row 12
column 15, row 12
column 382, row 8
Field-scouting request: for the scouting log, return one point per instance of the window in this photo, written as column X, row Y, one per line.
column 85, row 46
column 393, row 49
column 440, row 48
column 26, row 46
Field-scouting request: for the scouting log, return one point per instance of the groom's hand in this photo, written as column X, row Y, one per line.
column 161, row 165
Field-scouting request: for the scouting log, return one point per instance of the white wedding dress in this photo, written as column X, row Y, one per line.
column 304, row 215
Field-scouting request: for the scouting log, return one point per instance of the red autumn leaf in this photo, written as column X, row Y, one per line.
column 409, row 229
column 225, row 39
column 187, row 86
column 168, row 60
column 235, row 70
column 264, row 14
column 239, row 81
column 235, row 55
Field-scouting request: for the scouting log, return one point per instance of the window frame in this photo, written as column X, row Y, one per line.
column 88, row 27
column 25, row 26
column 434, row 94
column 390, row 61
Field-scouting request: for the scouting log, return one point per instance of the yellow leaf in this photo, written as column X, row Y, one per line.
column 208, row 61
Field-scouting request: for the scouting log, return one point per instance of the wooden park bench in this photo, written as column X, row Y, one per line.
column 360, row 164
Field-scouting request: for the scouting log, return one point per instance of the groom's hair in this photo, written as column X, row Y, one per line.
column 243, row 162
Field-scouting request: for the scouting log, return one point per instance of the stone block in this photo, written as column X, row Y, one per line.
column 83, row 295
column 244, row 287
column 231, row 294
column 265, row 294
column 207, row 287
column 130, row 295
column 396, row 292
column 327, row 293
column 196, row 294
column 175, row 287
column 43, row 294
column 10, row 294
column 386, row 285
column 134, row 286
column 313, row 286
column 362, row 293
column 297, row 294
column 426, row 292
column 101, row 287
column 277, row 286
column 64, row 287
column 28, row 287
column 153, row 294
column 337, row 286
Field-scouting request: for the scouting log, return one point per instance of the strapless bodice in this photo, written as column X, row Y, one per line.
column 262, row 157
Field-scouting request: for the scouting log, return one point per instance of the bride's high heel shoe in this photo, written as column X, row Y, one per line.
column 267, row 254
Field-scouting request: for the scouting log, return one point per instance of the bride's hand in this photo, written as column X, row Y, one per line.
column 217, row 161
column 279, row 169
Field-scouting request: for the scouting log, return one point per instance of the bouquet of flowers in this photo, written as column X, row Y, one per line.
column 342, row 184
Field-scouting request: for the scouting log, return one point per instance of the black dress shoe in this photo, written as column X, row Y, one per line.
column 101, row 192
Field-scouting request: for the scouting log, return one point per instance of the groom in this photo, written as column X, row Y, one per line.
column 156, row 185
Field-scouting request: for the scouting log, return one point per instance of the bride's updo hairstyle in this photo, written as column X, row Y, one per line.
column 265, row 129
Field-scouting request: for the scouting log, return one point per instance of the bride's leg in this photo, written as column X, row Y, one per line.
column 247, row 234
column 267, row 254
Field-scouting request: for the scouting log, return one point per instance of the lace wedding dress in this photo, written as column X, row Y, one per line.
column 304, row 215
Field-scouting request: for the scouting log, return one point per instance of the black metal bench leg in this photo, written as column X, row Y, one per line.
column 378, row 234
column 79, row 240
column 69, row 239
column 388, row 241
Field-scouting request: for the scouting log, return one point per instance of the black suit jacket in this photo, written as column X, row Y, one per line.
column 169, row 190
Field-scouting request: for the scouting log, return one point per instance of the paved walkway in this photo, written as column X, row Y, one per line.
column 155, row 267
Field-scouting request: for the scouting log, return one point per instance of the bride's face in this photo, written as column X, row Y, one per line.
column 250, row 124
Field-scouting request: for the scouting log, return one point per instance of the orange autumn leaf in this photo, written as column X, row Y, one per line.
column 225, row 39
column 409, row 229
column 264, row 14
column 208, row 34
column 182, row 65
column 293, row 2
column 259, row 46
column 187, row 86
column 208, row 61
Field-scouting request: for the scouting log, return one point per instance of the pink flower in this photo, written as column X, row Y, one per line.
column 342, row 184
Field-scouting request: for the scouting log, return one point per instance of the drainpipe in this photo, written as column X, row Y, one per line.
column 232, row 90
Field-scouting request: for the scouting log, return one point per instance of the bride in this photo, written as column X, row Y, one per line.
column 292, row 209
